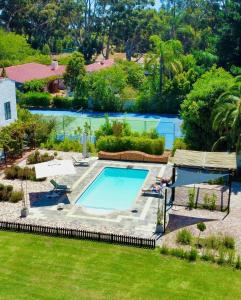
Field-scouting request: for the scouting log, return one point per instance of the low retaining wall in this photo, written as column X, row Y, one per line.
column 134, row 156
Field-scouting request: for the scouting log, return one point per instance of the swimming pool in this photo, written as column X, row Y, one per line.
column 168, row 126
column 113, row 189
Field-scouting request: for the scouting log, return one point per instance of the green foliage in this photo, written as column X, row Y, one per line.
column 8, row 194
column 164, row 250
column 201, row 226
column 178, row 252
column 144, row 144
column 208, row 256
column 106, row 88
column 178, row 144
column 113, row 127
column 193, row 255
column 75, row 70
column 228, row 242
column 62, row 102
column 66, row 145
column 36, row 99
column 14, row 49
column 36, row 85
column 184, row 237
column 36, row 157
column 16, row 172
column 46, row 49
column 16, row 196
column 197, row 108
column 191, row 198
column 209, row 201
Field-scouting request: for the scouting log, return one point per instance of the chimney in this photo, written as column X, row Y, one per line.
column 54, row 65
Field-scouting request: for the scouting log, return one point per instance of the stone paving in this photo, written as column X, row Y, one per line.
column 140, row 220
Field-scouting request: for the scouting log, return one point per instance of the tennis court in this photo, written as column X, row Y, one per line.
column 68, row 122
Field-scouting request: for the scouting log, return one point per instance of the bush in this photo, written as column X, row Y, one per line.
column 15, row 172
column 191, row 197
column 8, row 194
column 184, row 237
column 179, row 252
column 212, row 242
column 66, row 145
column 36, row 99
column 228, row 242
column 16, row 196
column 221, row 256
column 208, row 256
column 192, row 256
column 34, row 85
column 144, row 144
column 209, row 202
column 164, row 250
column 36, row 158
column 238, row 263
column 178, row 144
column 62, row 102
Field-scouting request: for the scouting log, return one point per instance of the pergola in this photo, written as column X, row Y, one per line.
column 192, row 167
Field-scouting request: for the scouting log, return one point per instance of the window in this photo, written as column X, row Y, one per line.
column 7, row 110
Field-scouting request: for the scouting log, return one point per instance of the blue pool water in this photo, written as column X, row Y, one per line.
column 113, row 189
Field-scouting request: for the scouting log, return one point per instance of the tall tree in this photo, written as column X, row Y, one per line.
column 227, row 118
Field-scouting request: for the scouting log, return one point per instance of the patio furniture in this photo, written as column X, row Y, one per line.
column 151, row 192
column 80, row 162
column 60, row 187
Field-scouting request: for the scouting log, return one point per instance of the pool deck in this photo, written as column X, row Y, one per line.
column 140, row 220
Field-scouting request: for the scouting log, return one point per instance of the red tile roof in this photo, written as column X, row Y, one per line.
column 30, row 71
column 97, row 66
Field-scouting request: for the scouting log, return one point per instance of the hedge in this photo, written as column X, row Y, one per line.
column 62, row 102
column 36, row 99
column 144, row 144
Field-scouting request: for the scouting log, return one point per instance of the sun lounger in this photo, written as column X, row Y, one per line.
column 151, row 192
column 60, row 187
column 80, row 162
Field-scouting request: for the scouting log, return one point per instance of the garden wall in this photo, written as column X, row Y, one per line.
column 134, row 156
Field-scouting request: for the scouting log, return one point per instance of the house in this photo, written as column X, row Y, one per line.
column 8, row 109
column 32, row 71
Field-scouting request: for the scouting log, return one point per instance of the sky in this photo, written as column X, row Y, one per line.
column 157, row 3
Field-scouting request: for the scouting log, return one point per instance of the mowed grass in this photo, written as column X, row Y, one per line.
column 38, row 267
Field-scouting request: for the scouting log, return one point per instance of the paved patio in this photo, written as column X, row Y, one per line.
column 139, row 220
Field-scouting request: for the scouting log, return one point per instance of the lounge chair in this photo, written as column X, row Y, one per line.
column 60, row 187
column 151, row 192
column 80, row 162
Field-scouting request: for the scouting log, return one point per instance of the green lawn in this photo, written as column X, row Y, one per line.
column 37, row 267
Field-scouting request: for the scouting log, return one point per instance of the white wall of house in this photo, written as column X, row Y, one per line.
column 8, row 108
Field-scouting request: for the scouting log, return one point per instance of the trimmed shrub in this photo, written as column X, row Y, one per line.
column 36, row 158
column 144, row 144
column 62, row 102
column 36, row 99
column 184, row 237
column 16, row 196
